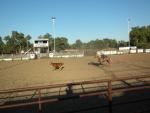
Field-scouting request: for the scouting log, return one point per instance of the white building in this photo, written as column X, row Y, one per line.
column 41, row 46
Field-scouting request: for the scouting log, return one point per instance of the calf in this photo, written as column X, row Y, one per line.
column 57, row 65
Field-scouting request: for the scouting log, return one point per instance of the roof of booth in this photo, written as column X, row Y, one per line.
column 41, row 39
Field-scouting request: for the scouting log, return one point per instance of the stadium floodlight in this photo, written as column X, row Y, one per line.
column 53, row 26
column 129, row 30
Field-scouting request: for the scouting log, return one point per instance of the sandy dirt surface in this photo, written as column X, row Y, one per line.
column 15, row 74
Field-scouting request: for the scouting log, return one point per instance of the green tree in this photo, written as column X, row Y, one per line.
column 28, row 38
column 78, row 44
column 1, row 45
column 140, row 37
column 47, row 36
column 10, row 44
column 101, row 44
column 113, row 43
column 15, row 43
column 61, row 43
column 122, row 43
column 19, row 41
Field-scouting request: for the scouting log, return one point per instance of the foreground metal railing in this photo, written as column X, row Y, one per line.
column 142, row 82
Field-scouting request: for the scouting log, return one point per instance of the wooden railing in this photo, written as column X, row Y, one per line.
column 108, row 91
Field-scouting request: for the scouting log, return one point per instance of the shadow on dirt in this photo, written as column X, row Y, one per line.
column 95, row 63
column 103, row 67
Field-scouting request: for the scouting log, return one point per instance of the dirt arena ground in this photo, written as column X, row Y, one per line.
column 15, row 74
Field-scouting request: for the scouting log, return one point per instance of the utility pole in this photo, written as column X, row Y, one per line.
column 27, row 45
column 129, row 31
column 53, row 26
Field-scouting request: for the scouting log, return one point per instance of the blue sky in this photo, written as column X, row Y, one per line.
column 75, row 19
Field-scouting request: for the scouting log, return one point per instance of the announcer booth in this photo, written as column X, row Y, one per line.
column 41, row 46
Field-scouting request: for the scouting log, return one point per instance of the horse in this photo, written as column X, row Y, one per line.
column 103, row 58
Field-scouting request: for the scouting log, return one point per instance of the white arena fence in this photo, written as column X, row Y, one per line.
column 118, row 52
column 42, row 55
column 140, row 50
column 11, row 57
column 147, row 50
column 78, row 53
column 66, row 54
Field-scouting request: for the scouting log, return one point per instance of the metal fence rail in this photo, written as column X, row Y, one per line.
column 108, row 91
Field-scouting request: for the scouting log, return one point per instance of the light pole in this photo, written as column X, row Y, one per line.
column 129, row 31
column 53, row 26
column 27, row 44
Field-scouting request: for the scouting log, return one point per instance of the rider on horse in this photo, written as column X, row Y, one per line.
column 102, row 57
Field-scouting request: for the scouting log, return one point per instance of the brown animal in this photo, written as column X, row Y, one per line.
column 57, row 65
column 103, row 58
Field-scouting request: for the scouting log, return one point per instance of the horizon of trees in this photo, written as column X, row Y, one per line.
column 140, row 37
column 14, row 43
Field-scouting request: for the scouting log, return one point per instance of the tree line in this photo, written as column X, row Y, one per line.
column 140, row 37
column 14, row 43
column 18, row 41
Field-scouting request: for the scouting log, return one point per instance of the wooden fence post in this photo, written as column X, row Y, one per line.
column 110, row 96
column 39, row 101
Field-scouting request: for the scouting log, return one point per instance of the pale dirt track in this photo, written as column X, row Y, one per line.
column 15, row 74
